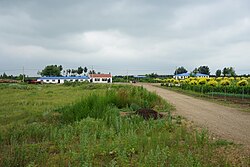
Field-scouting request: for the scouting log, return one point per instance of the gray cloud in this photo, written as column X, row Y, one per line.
column 116, row 36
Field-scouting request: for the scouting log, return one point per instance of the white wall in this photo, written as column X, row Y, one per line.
column 55, row 81
column 102, row 80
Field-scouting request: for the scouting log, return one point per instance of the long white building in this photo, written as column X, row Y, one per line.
column 62, row 79
column 95, row 78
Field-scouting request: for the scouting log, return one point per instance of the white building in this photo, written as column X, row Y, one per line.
column 62, row 79
column 100, row 78
column 187, row 75
column 182, row 76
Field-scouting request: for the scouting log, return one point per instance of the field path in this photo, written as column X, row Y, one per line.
column 228, row 123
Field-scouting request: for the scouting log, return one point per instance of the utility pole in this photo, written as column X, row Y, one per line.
column 23, row 73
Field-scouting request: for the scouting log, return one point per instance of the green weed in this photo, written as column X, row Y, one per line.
column 81, row 126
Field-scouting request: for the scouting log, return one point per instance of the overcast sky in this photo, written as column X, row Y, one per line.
column 140, row 36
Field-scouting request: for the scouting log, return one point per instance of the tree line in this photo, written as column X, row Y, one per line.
column 5, row 76
column 227, row 71
column 57, row 70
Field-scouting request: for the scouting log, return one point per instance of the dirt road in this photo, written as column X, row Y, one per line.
column 226, row 122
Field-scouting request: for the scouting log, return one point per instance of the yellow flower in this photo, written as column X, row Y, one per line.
column 219, row 78
column 225, row 82
column 202, row 81
column 242, row 83
column 193, row 82
column 212, row 83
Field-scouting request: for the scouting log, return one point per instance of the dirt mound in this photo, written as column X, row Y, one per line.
column 148, row 113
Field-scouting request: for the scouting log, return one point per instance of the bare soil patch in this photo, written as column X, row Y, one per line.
column 145, row 113
column 148, row 113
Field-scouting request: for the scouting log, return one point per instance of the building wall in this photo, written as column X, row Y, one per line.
column 180, row 77
column 55, row 81
column 101, row 80
column 203, row 77
column 184, row 77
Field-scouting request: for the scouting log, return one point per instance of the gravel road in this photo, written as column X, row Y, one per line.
column 225, row 122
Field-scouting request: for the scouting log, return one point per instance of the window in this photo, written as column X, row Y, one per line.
column 53, row 80
column 97, row 79
column 71, row 80
column 104, row 79
column 47, row 80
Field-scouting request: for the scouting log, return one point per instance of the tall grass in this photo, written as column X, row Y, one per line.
column 97, row 105
column 91, row 132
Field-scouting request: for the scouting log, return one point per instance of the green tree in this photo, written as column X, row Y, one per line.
column 232, row 71
column 5, row 76
column 180, row 70
column 92, row 72
column 195, row 71
column 225, row 71
column 204, row 70
column 21, row 76
column 152, row 75
column 218, row 73
column 85, row 70
column 60, row 67
column 51, row 70
column 73, row 72
column 229, row 71
column 79, row 70
column 68, row 72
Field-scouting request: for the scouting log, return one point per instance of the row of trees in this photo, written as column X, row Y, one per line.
column 227, row 71
column 201, row 69
column 78, row 71
column 5, row 76
column 55, row 70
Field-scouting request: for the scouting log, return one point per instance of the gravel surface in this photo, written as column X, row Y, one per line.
column 225, row 122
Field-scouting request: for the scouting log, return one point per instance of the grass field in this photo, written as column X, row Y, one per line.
column 80, row 125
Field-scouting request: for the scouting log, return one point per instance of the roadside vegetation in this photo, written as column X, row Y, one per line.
column 81, row 125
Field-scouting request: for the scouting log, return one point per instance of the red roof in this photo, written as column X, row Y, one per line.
column 100, row 75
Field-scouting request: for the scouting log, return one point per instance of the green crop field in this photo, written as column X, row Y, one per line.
column 81, row 125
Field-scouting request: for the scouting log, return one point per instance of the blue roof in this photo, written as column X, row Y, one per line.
column 64, row 77
column 140, row 76
column 201, row 75
column 183, row 74
column 188, row 74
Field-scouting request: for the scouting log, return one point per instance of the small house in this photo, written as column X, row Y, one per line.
column 100, row 78
column 187, row 75
column 182, row 76
column 199, row 75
